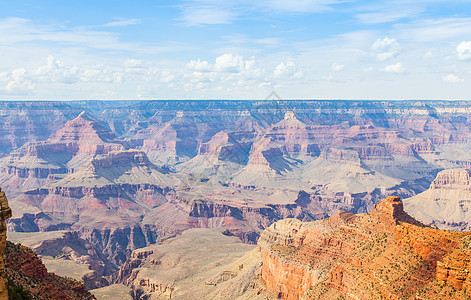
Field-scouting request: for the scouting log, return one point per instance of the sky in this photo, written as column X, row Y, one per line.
column 219, row 49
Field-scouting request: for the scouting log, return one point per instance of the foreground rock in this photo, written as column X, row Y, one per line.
column 447, row 203
column 66, row 254
column 28, row 278
column 383, row 254
column 24, row 276
column 5, row 213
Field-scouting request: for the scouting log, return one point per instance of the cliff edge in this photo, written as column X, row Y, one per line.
column 5, row 213
column 385, row 254
column 24, row 276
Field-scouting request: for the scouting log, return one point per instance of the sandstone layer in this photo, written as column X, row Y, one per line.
column 385, row 254
column 27, row 276
column 447, row 203
column 5, row 213
column 24, row 276
column 198, row 264
column 124, row 175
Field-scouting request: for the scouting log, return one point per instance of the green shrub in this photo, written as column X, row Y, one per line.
column 16, row 292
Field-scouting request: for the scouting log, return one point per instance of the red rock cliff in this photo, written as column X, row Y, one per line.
column 5, row 213
column 384, row 254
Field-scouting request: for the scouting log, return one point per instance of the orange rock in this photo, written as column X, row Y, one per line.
column 383, row 254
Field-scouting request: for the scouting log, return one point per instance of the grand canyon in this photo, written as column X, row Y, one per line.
column 240, row 199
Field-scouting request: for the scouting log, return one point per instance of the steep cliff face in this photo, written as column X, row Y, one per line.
column 447, row 203
column 27, row 275
column 5, row 213
column 66, row 254
column 383, row 254
column 37, row 164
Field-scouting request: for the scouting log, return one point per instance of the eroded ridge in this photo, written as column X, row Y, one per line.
column 382, row 254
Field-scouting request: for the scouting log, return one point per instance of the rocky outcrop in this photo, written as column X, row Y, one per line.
column 5, row 213
column 447, row 203
column 231, row 147
column 23, row 274
column 69, row 246
column 37, row 164
column 27, row 275
column 382, row 254
column 454, row 179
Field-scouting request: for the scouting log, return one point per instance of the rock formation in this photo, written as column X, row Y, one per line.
column 66, row 254
column 27, row 275
column 198, row 264
column 5, row 213
column 125, row 175
column 24, row 275
column 382, row 254
column 447, row 203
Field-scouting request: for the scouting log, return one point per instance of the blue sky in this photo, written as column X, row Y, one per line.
column 214, row 49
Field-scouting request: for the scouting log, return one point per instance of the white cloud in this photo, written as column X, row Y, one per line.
column 298, row 6
column 395, row 68
column 206, row 15
column 20, row 30
column 231, row 63
column 435, row 30
column 168, row 78
column 337, row 67
column 123, row 23
column 265, row 84
column 464, row 50
column 329, row 77
column 452, row 78
column 56, row 71
column 229, row 72
column 287, row 69
column 199, row 65
column 385, row 48
column 213, row 12
column 384, row 16
column 19, row 82
column 429, row 55
column 133, row 63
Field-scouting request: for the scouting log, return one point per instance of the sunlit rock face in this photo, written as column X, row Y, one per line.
column 447, row 203
column 382, row 254
column 125, row 175
column 5, row 213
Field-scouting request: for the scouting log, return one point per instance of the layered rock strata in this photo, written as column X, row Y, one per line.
column 199, row 264
column 382, row 254
column 238, row 164
column 28, row 278
column 447, row 203
column 25, row 276
column 5, row 213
